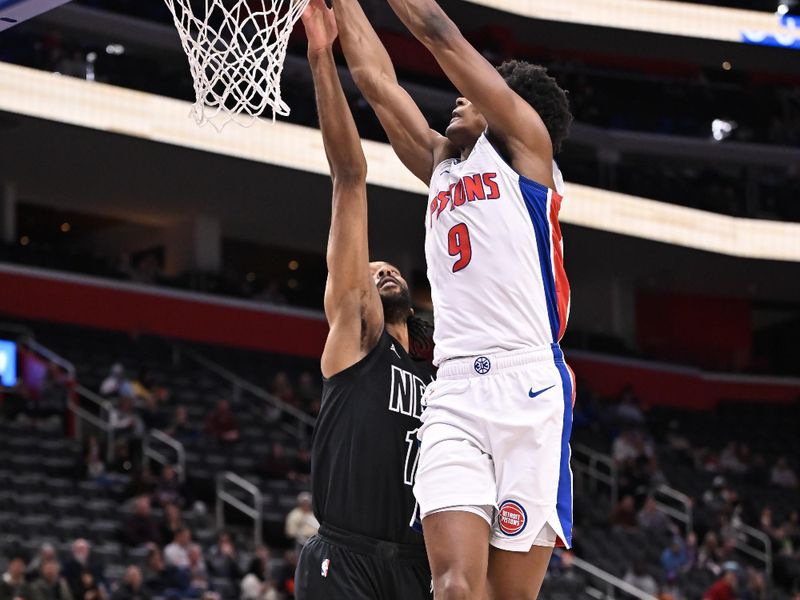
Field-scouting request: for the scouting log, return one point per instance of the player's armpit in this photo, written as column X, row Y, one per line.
column 511, row 120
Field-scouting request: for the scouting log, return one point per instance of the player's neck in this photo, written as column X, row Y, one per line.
column 399, row 331
column 466, row 151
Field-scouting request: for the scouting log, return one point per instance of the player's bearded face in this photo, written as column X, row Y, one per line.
column 466, row 124
column 393, row 290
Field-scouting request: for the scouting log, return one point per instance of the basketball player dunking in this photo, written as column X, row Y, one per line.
column 364, row 449
column 493, row 483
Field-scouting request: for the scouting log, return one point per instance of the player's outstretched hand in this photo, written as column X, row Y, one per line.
column 320, row 24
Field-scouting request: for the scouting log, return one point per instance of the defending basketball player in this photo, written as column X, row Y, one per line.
column 494, row 483
column 364, row 448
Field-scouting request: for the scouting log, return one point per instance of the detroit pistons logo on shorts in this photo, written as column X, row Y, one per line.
column 482, row 365
column 512, row 518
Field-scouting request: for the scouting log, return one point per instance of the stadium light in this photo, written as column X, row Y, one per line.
column 721, row 129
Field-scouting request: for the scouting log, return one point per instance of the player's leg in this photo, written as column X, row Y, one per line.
column 326, row 571
column 517, row 575
column 458, row 552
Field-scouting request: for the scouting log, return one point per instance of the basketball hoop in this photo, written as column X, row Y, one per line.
column 236, row 50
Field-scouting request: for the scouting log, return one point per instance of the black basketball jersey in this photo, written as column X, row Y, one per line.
column 364, row 451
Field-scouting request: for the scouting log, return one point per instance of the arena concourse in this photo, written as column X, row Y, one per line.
column 161, row 299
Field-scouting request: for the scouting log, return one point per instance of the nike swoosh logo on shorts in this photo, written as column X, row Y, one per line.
column 533, row 394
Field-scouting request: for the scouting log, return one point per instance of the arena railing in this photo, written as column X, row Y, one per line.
column 609, row 583
column 303, row 422
column 101, row 419
column 596, row 470
column 755, row 544
column 675, row 505
column 150, row 453
column 254, row 510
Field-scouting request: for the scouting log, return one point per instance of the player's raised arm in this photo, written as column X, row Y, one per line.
column 510, row 119
column 412, row 139
column 352, row 304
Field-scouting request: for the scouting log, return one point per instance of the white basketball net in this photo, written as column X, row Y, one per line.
column 236, row 50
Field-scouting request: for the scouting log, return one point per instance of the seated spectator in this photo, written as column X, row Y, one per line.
column 163, row 580
column 50, row 585
column 141, row 527
column 78, row 565
column 173, row 521
column 782, row 474
column 13, row 583
column 674, row 560
column 125, row 422
column 756, row 588
column 624, row 514
column 151, row 415
column 301, row 523
column 282, row 388
column 168, row 488
column 638, row 577
column 276, row 465
column 51, row 399
column 132, row 586
column 725, row 587
column 628, row 411
column 89, row 588
column 221, row 423
column 198, row 570
column 122, row 461
column 179, row 428
column 285, row 576
column 116, row 384
column 47, row 553
column 176, row 553
column 652, row 520
column 145, row 388
column 94, row 468
column 730, row 459
column 223, row 559
column 257, row 584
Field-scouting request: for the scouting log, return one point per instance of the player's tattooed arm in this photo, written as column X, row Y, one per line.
column 414, row 142
column 352, row 304
column 511, row 120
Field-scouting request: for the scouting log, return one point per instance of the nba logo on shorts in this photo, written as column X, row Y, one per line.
column 512, row 518
column 325, row 564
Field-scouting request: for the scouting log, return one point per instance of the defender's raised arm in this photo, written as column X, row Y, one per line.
column 352, row 304
column 414, row 142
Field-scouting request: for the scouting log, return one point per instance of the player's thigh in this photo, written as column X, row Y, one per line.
column 407, row 580
column 517, row 575
column 328, row 572
column 458, row 551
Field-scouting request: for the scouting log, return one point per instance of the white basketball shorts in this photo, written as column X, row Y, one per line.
column 495, row 432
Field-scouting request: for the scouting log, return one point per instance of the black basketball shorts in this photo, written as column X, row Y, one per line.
column 337, row 565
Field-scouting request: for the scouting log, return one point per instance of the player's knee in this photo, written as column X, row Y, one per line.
column 455, row 586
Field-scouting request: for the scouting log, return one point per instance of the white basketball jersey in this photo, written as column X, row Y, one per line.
column 495, row 257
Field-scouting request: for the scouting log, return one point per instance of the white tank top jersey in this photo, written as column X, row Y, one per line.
column 495, row 257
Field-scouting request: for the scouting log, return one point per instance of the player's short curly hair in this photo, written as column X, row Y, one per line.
column 542, row 92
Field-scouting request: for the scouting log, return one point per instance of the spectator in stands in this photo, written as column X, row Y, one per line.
column 730, row 459
column 652, row 520
column 179, row 428
column 13, row 583
column 756, row 588
column 172, row 522
column 122, row 461
column 145, row 388
column 281, row 387
column 47, row 553
column 151, row 415
column 89, row 588
column 276, row 465
column 141, row 527
column 725, row 587
column 673, row 559
column 168, row 488
column 285, row 577
column 176, row 553
column 125, row 421
column 221, row 424
column 94, row 468
column 624, row 514
column 308, row 391
column 80, row 563
column 223, row 559
column 198, row 569
column 782, row 474
column 258, row 584
column 638, row 577
column 301, row 523
column 53, row 391
column 116, row 383
column 50, row 585
column 628, row 409
column 132, row 586
column 158, row 579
